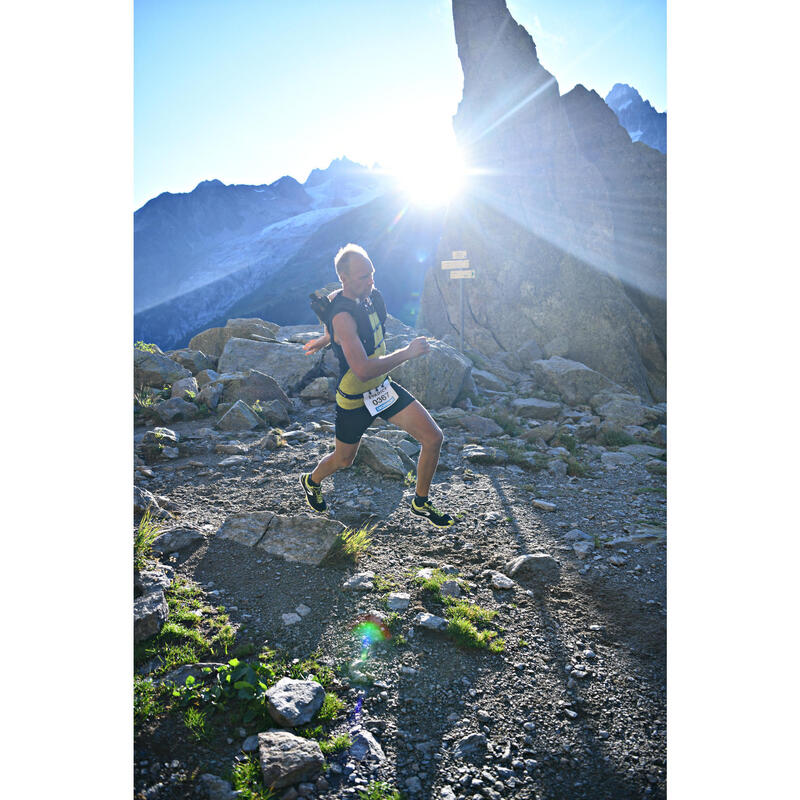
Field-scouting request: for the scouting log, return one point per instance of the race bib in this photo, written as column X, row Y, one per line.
column 379, row 398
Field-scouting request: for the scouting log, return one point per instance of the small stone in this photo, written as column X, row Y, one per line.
column 544, row 505
column 360, row 582
column 500, row 581
column 303, row 610
column 398, row 601
column 290, row 619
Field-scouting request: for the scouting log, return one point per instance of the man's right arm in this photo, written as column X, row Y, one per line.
column 364, row 368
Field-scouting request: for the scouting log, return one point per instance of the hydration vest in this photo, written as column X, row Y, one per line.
column 369, row 316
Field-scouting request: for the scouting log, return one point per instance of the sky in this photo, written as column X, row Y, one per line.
column 247, row 91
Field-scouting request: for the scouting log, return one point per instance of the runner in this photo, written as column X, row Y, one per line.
column 355, row 320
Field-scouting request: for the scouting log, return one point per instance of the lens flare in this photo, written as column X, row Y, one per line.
column 370, row 630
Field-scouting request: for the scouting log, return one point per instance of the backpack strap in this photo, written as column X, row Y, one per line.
column 379, row 305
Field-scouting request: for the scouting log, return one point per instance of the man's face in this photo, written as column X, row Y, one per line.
column 359, row 280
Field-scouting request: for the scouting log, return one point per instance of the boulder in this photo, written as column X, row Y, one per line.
column 142, row 500
column 206, row 376
column 275, row 413
column 185, row 388
column 150, row 612
column 287, row 759
column 193, row 360
column 436, row 378
column 293, row 702
column 174, row 409
column 212, row 787
column 366, row 748
column 321, row 388
column 285, row 363
column 381, row 455
column 253, row 385
column 624, row 409
column 305, row 538
column 247, row 528
column 538, row 567
column 211, row 394
column 480, row 426
column 534, row 408
column 542, row 432
column 153, row 369
column 483, row 454
column 528, row 353
column 615, row 459
column 178, row 540
column 398, row 601
column 213, row 341
column 239, row 417
column 156, row 442
column 574, row 382
column 488, row 380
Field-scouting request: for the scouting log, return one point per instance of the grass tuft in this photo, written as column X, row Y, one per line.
column 143, row 539
column 331, row 707
column 614, row 437
column 352, row 544
column 335, row 744
column 246, row 778
column 379, row 790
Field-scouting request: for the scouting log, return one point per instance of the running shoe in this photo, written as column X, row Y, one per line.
column 432, row 514
column 313, row 493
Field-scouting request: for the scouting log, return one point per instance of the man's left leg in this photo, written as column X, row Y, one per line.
column 416, row 420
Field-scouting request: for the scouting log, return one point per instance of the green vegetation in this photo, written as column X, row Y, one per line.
column 614, row 437
column 335, row 744
column 146, row 346
column 576, row 469
column 379, row 790
column 332, row 706
column 523, row 643
column 146, row 533
column 410, row 478
column 148, row 700
column 194, row 630
column 506, row 420
column 195, row 721
column 382, row 584
column 352, row 544
column 464, row 617
column 566, row 440
column 247, row 779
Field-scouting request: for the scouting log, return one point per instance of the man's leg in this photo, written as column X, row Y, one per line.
column 415, row 419
column 340, row 458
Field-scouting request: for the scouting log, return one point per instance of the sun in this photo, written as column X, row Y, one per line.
column 431, row 176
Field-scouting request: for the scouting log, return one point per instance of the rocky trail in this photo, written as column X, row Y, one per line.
column 573, row 705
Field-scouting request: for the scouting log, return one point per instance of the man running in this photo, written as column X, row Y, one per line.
column 354, row 323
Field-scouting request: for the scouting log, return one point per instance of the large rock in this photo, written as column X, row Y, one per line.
column 381, row 455
column 366, row 748
column 539, row 567
column 254, row 385
column 564, row 218
column 305, row 538
column 436, row 378
column 152, row 369
column 213, row 341
column 239, row 417
column 287, row 759
column 285, row 362
column 211, row 394
column 174, row 409
column 534, row 408
column 321, row 388
column 293, row 702
column 178, row 540
column 575, row 382
column 193, row 360
column 480, row 426
column 185, row 388
column 624, row 409
column 149, row 615
column 488, row 380
column 247, row 528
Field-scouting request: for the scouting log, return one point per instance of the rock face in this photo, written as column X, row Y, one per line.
column 285, row 363
column 567, row 236
column 287, row 759
column 638, row 117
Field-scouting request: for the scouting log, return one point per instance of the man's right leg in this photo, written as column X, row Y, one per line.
column 341, row 457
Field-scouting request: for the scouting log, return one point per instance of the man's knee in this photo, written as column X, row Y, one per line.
column 345, row 458
column 433, row 437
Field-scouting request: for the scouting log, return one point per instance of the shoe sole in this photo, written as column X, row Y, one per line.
column 428, row 519
column 308, row 499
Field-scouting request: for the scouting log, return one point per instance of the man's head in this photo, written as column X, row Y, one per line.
column 355, row 271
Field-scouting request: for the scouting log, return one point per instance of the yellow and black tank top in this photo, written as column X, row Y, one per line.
column 369, row 314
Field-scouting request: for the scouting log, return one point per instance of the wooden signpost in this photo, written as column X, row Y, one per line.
column 459, row 269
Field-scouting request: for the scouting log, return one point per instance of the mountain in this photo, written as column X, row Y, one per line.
column 564, row 218
column 197, row 253
column 638, row 117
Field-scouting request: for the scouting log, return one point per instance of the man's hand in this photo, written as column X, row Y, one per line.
column 315, row 345
column 418, row 347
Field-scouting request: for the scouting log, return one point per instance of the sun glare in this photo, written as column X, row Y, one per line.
column 432, row 177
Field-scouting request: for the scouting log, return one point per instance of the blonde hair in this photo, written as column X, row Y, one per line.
column 344, row 258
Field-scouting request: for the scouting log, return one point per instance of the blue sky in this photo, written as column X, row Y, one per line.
column 249, row 90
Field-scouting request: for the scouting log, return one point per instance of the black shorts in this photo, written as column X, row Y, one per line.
column 350, row 425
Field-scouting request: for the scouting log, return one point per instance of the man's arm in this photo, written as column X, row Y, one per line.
column 364, row 368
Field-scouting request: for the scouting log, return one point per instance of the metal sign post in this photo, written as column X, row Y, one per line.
column 459, row 269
